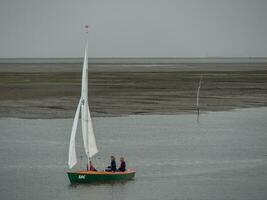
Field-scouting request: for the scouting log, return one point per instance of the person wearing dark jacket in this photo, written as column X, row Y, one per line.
column 113, row 164
column 122, row 168
column 112, row 167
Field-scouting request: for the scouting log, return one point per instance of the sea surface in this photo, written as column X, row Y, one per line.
column 221, row 157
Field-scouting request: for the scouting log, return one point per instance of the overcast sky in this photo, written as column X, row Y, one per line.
column 133, row 28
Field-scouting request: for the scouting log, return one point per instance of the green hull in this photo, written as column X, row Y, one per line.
column 90, row 177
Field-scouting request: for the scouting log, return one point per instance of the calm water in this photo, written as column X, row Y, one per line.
column 222, row 157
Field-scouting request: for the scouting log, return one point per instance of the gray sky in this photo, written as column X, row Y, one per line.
column 133, row 28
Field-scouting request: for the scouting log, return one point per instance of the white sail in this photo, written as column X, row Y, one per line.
column 87, row 128
column 86, row 121
column 92, row 143
column 72, row 151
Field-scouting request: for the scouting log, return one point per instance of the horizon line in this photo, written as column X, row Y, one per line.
column 134, row 60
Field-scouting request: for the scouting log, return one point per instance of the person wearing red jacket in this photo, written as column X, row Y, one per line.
column 122, row 167
column 91, row 167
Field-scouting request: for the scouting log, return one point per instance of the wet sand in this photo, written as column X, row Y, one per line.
column 53, row 90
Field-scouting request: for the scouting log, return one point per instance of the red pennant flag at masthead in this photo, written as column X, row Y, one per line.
column 87, row 28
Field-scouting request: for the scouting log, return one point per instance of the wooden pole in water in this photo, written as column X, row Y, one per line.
column 197, row 114
column 197, row 104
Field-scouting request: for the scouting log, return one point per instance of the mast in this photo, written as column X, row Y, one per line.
column 87, row 126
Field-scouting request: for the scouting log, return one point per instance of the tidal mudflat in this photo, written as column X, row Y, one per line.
column 52, row 90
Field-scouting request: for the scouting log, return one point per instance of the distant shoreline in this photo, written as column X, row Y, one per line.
column 131, row 67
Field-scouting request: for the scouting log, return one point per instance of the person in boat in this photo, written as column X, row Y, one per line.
column 112, row 167
column 122, row 167
column 91, row 167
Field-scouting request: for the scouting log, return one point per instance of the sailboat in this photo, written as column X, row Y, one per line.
column 89, row 140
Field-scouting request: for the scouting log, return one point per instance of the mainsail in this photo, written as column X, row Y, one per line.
column 86, row 121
